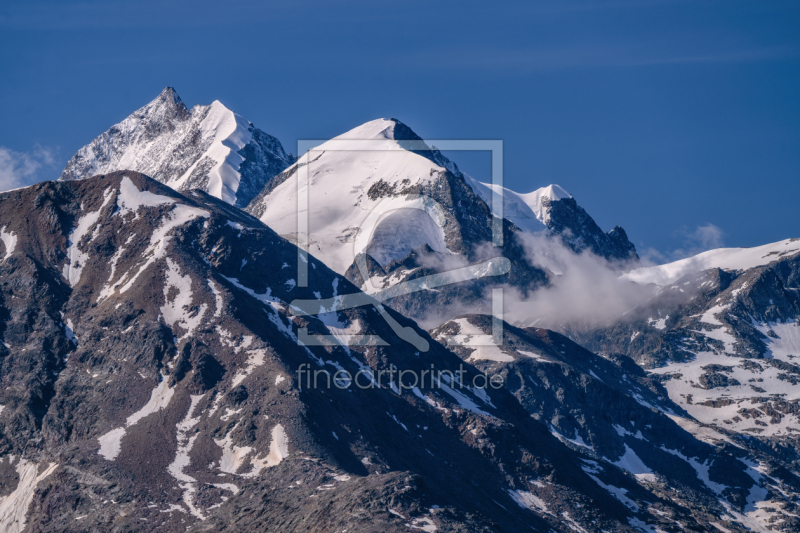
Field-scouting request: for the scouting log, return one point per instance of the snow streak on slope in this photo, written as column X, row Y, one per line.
column 530, row 212
column 341, row 173
column 76, row 259
column 14, row 507
column 723, row 258
column 177, row 309
column 9, row 241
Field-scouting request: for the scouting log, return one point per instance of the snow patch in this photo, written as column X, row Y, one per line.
column 218, row 300
column 482, row 348
column 255, row 358
column 619, row 493
column 69, row 332
column 130, row 198
column 111, row 442
column 233, row 457
column 701, row 469
column 278, row 451
column 633, row 464
column 182, row 460
column 424, row 524
column 9, row 241
column 178, row 311
column 526, row 500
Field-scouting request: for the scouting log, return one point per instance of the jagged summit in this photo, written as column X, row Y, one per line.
column 553, row 210
column 208, row 147
column 169, row 94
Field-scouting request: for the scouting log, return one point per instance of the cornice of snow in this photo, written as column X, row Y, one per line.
column 531, row 211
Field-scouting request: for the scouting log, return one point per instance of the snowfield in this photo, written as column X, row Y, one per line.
column 722, row 258
column 340, row 173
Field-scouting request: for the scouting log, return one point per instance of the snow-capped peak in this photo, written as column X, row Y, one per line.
column 380, row 128
column 551, row 192
column 540, row 199
column 208, row 147
column 348, row 179
column 530, row 212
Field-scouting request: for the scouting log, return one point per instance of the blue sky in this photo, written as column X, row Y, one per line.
column 678, row 120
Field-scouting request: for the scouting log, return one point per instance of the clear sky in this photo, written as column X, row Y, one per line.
column 661, row 116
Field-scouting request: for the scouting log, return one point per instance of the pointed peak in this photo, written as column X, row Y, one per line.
column 401, row 132
column 166, row 104
column 381, row 128
column 169, row 94
column 553, row 192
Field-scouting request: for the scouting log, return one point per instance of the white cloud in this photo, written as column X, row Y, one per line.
column 708, row 236
column 19, row 169
column 585, row 289
column 699, row 240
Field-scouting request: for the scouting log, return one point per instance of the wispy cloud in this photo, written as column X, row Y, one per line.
column 584, row 289
column 701, row 239
column 19, row 169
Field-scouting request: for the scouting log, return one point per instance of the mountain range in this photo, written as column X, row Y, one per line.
column 159, row 346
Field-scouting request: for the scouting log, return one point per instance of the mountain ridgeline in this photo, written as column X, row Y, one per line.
column 164, row 365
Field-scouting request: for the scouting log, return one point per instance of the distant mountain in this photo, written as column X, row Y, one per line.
column 347, row 183
column 208, row 147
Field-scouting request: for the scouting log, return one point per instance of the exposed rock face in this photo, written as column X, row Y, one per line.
column 208, row 147
column 579, row 231
column 640, row 445
column 728, row 334
column 725, row 343
column 149, row 382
